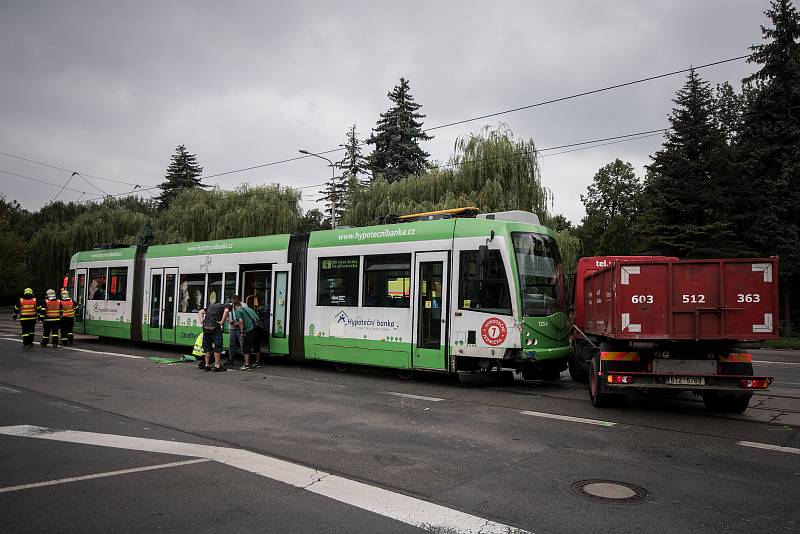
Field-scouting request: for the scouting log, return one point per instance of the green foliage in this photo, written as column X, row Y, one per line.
column 311, row 221
column 689, row 192
column 183, row 172
column 197, row 215
column 613, row 204
column 52, row 245
column 14, row 247
column 569, row 245
column 768, row 149
column 396, row 137
column 559, row 223
column 490, row 170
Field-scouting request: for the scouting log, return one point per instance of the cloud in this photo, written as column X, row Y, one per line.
column 110, row 88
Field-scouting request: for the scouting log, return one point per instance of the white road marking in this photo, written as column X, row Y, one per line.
column 755, row 445
column 776, row 363
column 410, row 396
column 568, row 418
column 68, row 406
column 410, row 510
column 86, row 350
column 4, row 389
column 102, row 475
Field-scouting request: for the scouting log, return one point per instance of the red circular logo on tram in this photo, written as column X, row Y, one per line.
column 493, row 331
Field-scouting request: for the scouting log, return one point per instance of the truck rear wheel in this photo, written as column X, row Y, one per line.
column 596, row 395
column 732, row 403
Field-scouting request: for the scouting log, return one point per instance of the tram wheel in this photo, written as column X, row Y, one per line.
column 404, row 374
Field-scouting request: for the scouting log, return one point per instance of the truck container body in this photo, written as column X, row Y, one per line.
column 645, row 324
column 734, row 299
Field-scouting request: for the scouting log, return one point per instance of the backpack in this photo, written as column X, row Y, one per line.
column 260, row 328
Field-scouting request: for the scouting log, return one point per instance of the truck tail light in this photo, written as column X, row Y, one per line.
column 620, row 379
column 755, row 383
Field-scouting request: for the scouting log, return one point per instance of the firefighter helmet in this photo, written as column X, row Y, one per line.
column 27, row 292
column 64, row 294
column 51, row 293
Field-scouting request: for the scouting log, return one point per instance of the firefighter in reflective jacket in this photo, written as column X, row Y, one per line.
column 26, row 311
column 67, row 318
column 50, row 314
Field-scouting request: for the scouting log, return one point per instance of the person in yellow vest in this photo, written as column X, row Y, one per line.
column 67, row 318
column 50, row 314
column 197, row 351
column 26, row 311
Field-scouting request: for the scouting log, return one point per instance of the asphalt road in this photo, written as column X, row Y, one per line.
column 385, row 455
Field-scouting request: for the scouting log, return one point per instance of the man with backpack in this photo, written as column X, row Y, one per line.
column 212, row 320
column 252, row 330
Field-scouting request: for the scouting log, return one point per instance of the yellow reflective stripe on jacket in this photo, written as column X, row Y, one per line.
column 68, row 307
column 52, row 309
column 27, row 308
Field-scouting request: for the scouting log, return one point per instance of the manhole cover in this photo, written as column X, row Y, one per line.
column 610, row 491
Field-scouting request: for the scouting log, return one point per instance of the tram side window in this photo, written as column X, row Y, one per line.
column 483, row 286
column 214, row 288
column 338, row 281
column 230, row 287
column 190, row 299
column 117, row 283
column 97, row 284
column 387, row 281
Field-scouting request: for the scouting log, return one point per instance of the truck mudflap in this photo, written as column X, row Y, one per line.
column 619, row 380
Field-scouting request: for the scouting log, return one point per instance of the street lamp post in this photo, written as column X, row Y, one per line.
column 333, row 184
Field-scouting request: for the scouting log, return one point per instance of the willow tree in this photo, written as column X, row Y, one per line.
column 52, row 245
column 490, row 170
column 197, row 215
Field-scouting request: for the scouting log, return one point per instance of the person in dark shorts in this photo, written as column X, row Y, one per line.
column 212, row 320
column 252, row 337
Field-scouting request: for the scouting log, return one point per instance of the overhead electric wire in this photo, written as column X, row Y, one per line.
column 41, row 181
column 16, row 156
column 71, row 176
column 504, row 112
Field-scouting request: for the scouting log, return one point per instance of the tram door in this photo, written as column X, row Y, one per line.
column 256, row 292
column 163, row 283
column 279, row 325
column 79, row 295
column 430, row 305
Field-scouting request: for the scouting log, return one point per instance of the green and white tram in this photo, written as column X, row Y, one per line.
column 438, row 293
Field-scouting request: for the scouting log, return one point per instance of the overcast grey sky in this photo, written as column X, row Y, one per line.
column 110, row 88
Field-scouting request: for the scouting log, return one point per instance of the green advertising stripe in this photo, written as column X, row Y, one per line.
column 127, row 253
column 222, row 246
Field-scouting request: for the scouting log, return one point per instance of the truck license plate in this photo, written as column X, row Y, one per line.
column 686, row 380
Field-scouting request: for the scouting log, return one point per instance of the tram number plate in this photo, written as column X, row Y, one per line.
column 685, row 380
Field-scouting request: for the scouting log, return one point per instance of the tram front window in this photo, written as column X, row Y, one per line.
column 541, row 274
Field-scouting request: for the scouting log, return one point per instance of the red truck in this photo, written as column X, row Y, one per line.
column 661, row 323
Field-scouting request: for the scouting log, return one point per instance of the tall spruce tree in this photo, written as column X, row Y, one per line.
column 768, row 149
column 396, row 137
column 183, row 172
column 688, row 188
column 354, row 175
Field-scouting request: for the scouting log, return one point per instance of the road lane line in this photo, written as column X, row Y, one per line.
column 569, row 418
column 776, row 363
column 410, row 510
column 4, row 389
column 755, row 445
column 102, row 475
column 71, row 407
column 119, row 354
column 410, row 396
